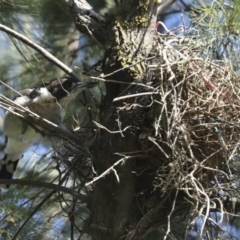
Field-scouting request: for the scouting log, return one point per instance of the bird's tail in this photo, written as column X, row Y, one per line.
column 13, row 152
column 7, row 170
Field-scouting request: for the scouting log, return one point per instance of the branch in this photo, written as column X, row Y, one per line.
column 86, row 19
column 163, row 6
column 31, row 183
column 109, row 170
column 41, row 50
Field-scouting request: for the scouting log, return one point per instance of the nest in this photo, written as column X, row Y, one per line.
column 189, row 131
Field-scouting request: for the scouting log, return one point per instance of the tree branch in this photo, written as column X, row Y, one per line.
column 31, row 183
column 86, row 19
column 41, row 50
column 163, row 6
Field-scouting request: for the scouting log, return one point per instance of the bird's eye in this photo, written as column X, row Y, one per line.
column 35, row 92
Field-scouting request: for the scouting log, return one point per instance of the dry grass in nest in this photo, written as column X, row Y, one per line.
column 192, row 145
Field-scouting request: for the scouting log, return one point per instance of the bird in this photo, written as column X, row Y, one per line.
column 48, row 101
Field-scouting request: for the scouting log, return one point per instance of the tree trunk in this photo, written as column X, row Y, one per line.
column 128, row 39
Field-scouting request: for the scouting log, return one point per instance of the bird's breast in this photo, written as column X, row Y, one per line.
column 19, row 128
column 48, row 110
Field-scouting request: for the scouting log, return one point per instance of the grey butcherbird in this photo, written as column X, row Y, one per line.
column 47, row 100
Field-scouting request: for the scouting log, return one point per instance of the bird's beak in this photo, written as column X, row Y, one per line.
column 76, row 88
column 85, row 85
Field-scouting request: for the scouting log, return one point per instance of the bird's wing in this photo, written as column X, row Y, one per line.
column 13, row 152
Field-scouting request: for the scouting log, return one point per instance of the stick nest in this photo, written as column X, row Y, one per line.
column 190, row 131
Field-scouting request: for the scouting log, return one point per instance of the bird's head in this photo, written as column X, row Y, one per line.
column 66, row 89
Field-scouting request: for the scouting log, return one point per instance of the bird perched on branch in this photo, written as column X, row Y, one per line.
column 46, row 100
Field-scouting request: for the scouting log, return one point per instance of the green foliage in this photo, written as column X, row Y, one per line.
column 15, row 211
column 218, row 31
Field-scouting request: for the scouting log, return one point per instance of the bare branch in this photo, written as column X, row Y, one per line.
column 41, row 50
column 86, row 19
column 109, row 170
column 39, row 184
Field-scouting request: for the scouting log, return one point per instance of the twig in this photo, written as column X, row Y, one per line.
column 164, row 5
column 11, row 88
column 121, row 82
column 109, row 170
column 101, row 126
column 32, row 183
column 163, row 25
column 169, row 216
column 212, row 86
column 134, row 95
column 132, row 65
column 41, row 50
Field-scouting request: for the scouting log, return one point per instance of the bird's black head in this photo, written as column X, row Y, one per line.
column 34, row 93
column 65, row 89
